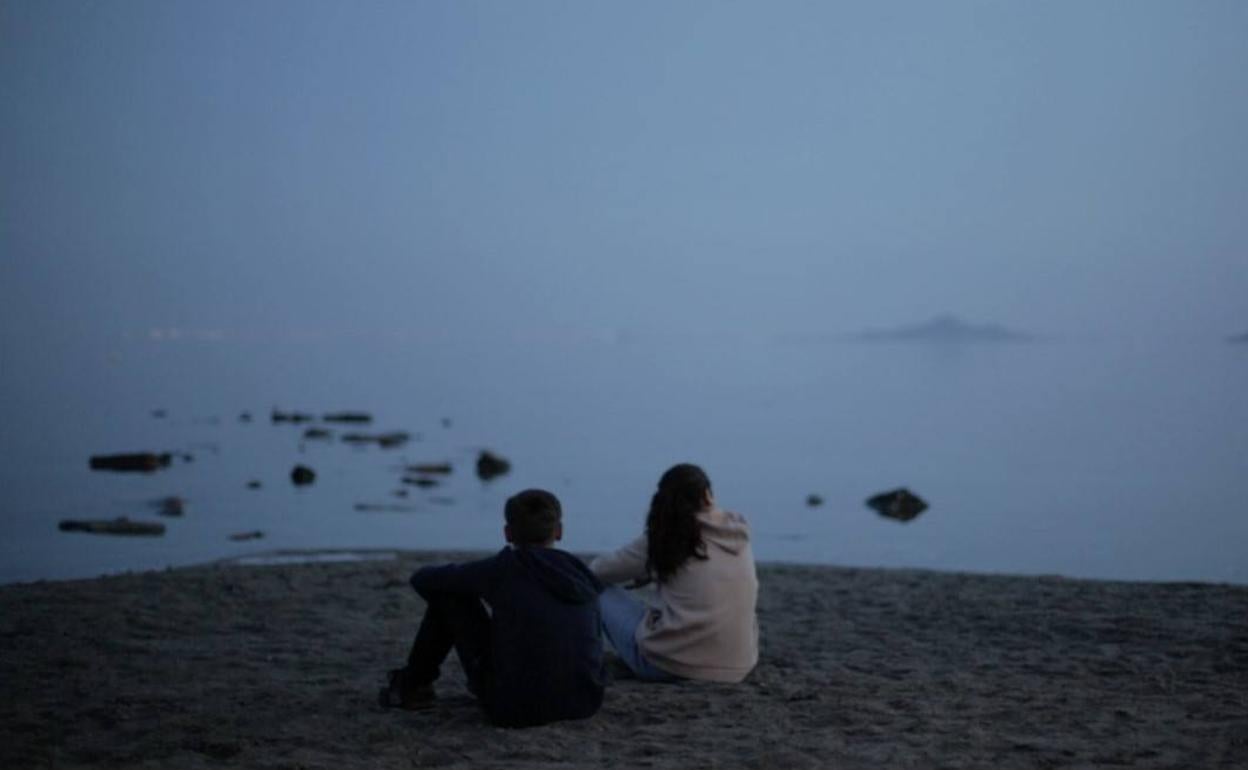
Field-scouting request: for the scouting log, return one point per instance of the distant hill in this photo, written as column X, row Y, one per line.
column 945, row 328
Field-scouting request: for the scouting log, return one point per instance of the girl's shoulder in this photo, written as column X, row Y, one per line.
column 725, row 529
column 720, row 517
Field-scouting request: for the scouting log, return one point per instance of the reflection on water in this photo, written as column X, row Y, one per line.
column 1089, row 459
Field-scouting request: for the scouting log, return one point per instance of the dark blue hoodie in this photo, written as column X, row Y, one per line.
column 546, row 645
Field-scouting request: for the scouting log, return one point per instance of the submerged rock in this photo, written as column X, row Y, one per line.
column 900, row 504
column 946, row 329
column 254, row 484
column 170, row 506
column 142, row 462
column 420, row 481
column 347, row 417
column 292, row 417
column 490, row 465
column 245, row 417
column 439, row 469
column 118, row 526
column 317, row 434
column 814, row 501
column 391, row 440
column 385, row 508
column 302, row 475
column 383, row 440
column 254, row 534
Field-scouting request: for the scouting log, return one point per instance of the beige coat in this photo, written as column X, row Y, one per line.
column 704, row 626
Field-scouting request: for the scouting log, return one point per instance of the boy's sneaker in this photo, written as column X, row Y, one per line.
column 401, row 695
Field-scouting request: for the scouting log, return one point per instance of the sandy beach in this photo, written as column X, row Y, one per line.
column 278, row 667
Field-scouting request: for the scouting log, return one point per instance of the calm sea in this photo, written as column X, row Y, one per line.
column 1092, row 458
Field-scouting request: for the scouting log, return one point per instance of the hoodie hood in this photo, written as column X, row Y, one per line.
column 559, row 572
column 725, row 530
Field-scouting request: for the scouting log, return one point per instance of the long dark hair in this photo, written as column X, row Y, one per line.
column 673, row 534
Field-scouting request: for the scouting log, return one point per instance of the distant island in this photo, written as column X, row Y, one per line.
column 945, row 328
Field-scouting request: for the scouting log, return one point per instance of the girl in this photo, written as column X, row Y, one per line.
column 699, row 556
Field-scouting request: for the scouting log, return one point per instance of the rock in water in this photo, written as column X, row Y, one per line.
column 295, row 417
column 347, row 417
column 118, row 526
column 170, row 506
column 424, row 482
column 239, row 537
column 394, row 439
column 317, row 434
column 430, row 468
column 490, row 465
column 814, row 501
column 143, row 462
column 385, row 508
column 900, row 504
column 302, row 475
column 383, row 440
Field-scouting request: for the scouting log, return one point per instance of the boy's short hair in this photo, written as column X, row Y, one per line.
column 533, row 515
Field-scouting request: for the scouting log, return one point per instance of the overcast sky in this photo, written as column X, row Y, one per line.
column 288, row 167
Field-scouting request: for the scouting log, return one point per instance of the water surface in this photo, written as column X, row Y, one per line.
column 1085, row 458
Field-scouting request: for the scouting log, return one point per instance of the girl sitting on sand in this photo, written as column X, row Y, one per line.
column 703, row 626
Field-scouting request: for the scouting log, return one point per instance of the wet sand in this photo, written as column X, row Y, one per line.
column 278, row 667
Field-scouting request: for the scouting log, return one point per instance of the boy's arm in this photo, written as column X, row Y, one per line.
column 469, row 578
column 627, row 563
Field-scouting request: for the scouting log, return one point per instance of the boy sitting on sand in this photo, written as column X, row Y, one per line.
column 536, row 655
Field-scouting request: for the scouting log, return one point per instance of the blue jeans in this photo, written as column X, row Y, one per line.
column 621, row 614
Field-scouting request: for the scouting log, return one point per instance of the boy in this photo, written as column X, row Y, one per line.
column 536, row 656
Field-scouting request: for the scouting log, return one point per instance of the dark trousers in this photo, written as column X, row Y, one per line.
column 451, row 621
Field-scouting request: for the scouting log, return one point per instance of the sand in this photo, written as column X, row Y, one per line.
column 278, row 667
